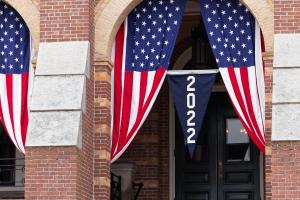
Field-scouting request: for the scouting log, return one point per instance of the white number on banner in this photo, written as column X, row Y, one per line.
column 190, row 103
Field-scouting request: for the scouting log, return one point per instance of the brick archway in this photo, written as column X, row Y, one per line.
column 29, row 10
column 111, row 13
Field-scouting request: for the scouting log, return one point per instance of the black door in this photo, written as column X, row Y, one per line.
column 225, row 165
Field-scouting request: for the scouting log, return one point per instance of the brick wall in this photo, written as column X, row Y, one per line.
column 65, row 172
column 284, row 162
column 150, row 151
column 287, row 16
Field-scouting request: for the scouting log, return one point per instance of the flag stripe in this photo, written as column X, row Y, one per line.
column 24, row 106
column 5, row 110
column 117, row 86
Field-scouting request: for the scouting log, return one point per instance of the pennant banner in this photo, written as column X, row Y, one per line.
column 191, row 93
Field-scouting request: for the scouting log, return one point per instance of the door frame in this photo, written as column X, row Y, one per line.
column 172, row 165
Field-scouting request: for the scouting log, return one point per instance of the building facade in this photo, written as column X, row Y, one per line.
column 68, row 144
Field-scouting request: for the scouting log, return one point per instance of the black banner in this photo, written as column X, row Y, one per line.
column 191, row 93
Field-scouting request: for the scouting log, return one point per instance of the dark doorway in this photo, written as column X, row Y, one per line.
column 225, row 165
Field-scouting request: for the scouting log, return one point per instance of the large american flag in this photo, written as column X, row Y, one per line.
column 235, row 39
column 143, row 48
column 14, row 74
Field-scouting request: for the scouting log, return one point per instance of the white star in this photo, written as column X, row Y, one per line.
column 229, row 18
column 151, row 64
column 241, row 17
column 249, row 37
column 10, row 53
column 236, row 25
column 16, row 60
column 225, row 45
column 154, row 9
column 208, row 19
column 2, row 66
column 237, row 39
column 223, row 12
column 228, row 59
column 2, row 53
column 153, row 36
column 243, row 45
column 231, row 32
column 142, row 64
column 175, row 22
column 250, row 51
column 214, row 47
column 138, row 15
column 10, row 66
column 211, row 33
column 216, row 26
column 224, row 26
column 245, row 59
column 143, row 51
column 161, row 2
column 154, row 23
column 177, row 9
column 168, row 29
column 144, row 23
column 219, row 39
column 214, row 12
column 152, row 50
column 137, row 43
column 232, row 46
column 166, row 42
column 234, row 11
column 11, row 26
column 160, row 16
column 143, row 37
column 206, row 6
column 147, row 57
column 247, row 23
column 158, row 43
column 149, row 16
column 170, row 15
column 234, row 60
column 221, row 53
column 242, row 31
column 136, row 57
column 144, row 10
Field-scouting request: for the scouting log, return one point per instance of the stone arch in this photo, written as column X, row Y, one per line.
column 111, row 13
column 29, row 10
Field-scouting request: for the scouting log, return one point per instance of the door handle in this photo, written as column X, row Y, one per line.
column 220, row 163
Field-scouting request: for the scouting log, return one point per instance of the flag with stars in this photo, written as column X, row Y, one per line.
column 14, row 74
column 235, row 40
column 143, row 47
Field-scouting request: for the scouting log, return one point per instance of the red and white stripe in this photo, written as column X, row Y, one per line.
column 246, row 89
column 14, row 107
column 133, row 97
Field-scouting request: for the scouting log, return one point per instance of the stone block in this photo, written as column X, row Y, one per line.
column 286, row 85
column 59, row 58
column 285, row 124
column 65, row 92
column 287, row 50
column 55, row 129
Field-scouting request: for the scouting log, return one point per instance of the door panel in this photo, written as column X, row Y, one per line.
column 225, row 165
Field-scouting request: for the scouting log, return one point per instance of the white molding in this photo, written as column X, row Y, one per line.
column 185, row 72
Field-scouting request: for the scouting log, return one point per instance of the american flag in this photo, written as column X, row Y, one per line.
column 143, row 48
column 14, row 74
column 235, row 40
